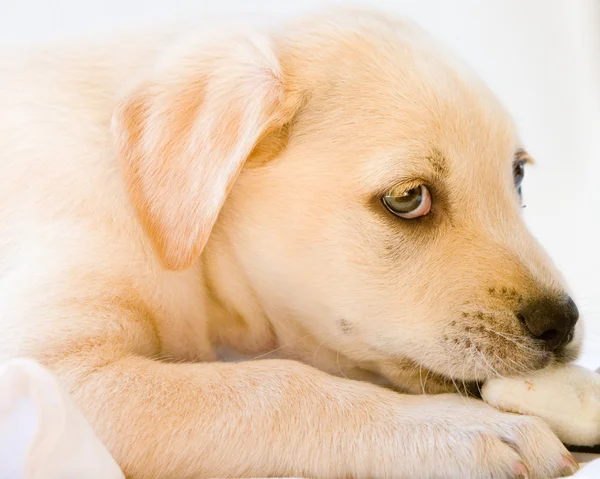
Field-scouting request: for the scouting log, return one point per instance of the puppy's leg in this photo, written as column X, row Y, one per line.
column 264, row 418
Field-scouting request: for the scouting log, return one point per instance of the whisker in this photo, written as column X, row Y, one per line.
column 421, row 379
column 471, row 357
column 504, row 363
column 338, row 362
column 465, row 388
column 427, row 376
column 319, row 347
column 478, row 362
column 520, row 345
column 456, row 387
column 490, row 367
column 281, row 347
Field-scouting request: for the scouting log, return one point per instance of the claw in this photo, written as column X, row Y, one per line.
column 568, row 466
column 520, row 470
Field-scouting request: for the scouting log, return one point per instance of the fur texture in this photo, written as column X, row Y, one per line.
column 567, row 398
column 164, row 198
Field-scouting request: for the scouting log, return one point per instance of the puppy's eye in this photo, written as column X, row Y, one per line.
column 518, row 173
column 409, row 204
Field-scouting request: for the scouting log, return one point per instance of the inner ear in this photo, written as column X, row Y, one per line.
column 184, row 135
column 270, row 146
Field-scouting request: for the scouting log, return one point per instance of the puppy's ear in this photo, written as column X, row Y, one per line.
column 184, row 133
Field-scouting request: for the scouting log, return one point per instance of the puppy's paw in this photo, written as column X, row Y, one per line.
column 567, row 398
column 520, row 446
column 473, row 440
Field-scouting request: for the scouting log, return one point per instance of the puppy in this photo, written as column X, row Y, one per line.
column 336, row 197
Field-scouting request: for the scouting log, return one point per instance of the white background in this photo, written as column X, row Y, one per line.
column 542, row 57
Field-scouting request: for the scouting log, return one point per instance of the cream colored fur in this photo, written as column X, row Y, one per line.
column 166, row 198
column 567, row 398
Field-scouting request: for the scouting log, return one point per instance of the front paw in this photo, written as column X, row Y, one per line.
column 468, row 439
column 501, row 445
column 566, row 397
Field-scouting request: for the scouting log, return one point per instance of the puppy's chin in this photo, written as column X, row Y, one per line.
column 472, row 387
column 434, row 383
column 476, row 369
column 464, row 369
column 410, row 377
column 568, row 354
column 500, row 367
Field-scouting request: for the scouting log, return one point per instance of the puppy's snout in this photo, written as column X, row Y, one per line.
column 550, row 319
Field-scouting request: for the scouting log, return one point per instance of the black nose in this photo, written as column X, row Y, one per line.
column 550, row 319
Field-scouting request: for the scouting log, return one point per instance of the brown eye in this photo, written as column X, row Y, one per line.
column 409, row 204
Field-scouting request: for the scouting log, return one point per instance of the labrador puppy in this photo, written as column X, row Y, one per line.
column 336, row 197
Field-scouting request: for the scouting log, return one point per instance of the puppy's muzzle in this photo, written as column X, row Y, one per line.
column 550, row 320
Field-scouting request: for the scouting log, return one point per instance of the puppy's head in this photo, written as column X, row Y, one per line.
column 379, row 199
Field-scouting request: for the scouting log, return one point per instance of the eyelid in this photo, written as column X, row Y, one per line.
column 522, row 155
column 400, row 188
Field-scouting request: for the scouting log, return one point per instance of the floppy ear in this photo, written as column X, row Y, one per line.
column 184, row 134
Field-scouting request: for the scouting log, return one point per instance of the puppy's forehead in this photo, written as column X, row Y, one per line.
column 382, row 87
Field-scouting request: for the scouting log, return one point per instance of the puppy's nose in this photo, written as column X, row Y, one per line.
column 550, row 319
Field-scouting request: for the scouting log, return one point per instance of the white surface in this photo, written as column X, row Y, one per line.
column 589, row 471
column 42, row 434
